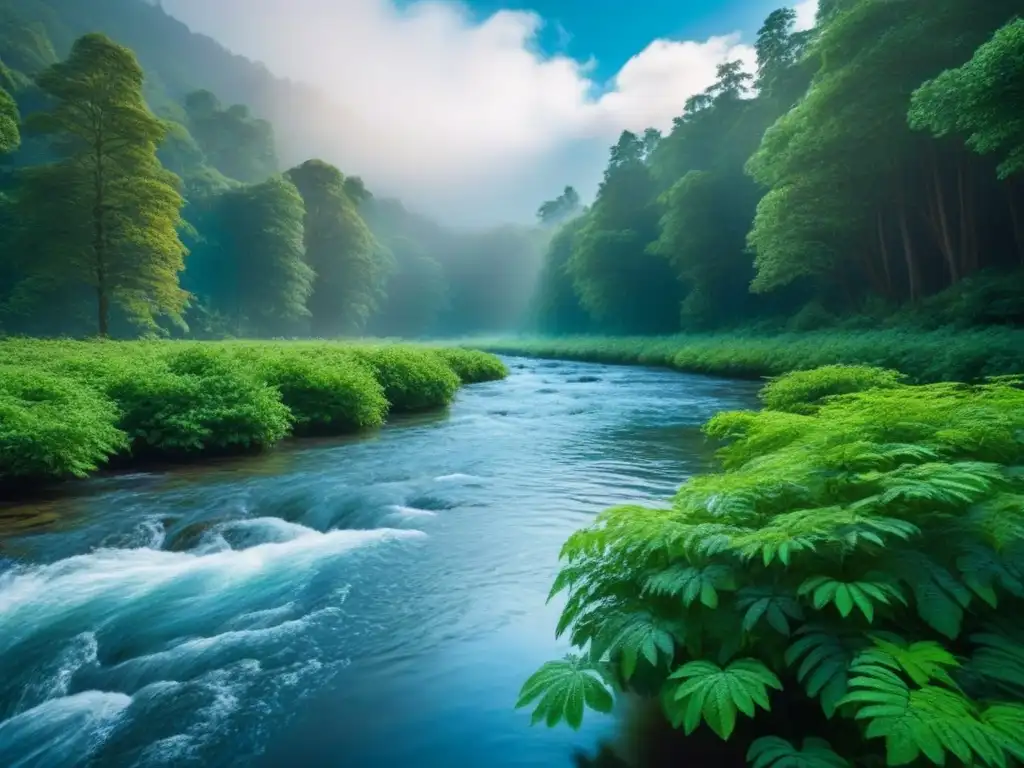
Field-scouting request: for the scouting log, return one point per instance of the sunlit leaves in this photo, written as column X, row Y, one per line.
column 700, row 690
column 564, row 688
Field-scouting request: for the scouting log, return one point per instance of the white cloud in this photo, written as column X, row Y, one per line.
column 806, row 13
column 456, row 114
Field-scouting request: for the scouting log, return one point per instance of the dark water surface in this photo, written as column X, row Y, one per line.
column 370, row 602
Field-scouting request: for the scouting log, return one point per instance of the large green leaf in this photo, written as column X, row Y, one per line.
column 703, row 690
column 564, row 687
column 633, row 636
column 923, row 662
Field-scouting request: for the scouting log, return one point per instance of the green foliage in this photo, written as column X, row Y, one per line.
column 923, row 355
column 977, row 100
column 773, row 752
column 471, row 365
column 564, row 688
column 232, row 141
column 66, row 407
column 326, row 395
column 52, row 427
column 256, row 269
column 106, row 215
column 860, row 552
column 803, row 391
column 198, row 402
column 413, row 379
column 10, row 131
column 349, row 264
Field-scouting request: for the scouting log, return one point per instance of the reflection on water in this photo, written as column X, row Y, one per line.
column 373, row 601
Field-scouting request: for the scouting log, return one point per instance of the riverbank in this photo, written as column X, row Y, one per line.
column 70, row 408
column 853, row 565
column 925, row 356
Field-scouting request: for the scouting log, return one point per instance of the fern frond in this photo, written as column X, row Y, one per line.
column 999, row 658
column 1005, row 723
column 940, row 598
column 825, row 656
column 922, row 662
column 847, row 594
column 954, row 484
column 563, row 688
column 983, row 570
column 692, row 582
column 930, row 720
column 774, row 607
column 709, row 692
column 773, row 752
column 633, row 636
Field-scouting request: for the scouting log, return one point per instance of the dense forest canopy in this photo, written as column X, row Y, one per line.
column 868, row 171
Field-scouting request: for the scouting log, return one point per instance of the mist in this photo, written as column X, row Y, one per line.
column 463, row 118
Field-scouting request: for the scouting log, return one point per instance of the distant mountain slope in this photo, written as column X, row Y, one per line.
column 177, row 61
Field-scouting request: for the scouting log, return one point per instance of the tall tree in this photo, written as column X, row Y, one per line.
column 349, row 263
column 563, row 207
column 10, row 131
column 622, row 286
column 981, row 100
column 106, row 214
column 254, row 268
column 234, row 142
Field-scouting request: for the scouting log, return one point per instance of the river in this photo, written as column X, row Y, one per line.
column 371, row 602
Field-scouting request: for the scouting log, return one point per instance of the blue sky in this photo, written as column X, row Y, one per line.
column 605, row 30
column 476, row 111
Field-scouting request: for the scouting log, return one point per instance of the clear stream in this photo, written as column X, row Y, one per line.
column 373, row 602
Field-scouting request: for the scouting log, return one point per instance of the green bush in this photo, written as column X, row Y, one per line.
column 473, row 366
column 413, row 379
column 803, row 391
column 858, row 569
column 52, row 427
column 925, row 356
column 197, row 403
column 326, row 397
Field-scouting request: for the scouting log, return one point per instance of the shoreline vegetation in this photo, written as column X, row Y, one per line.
column 71, row 408
column 840, row 590
column 923, row 355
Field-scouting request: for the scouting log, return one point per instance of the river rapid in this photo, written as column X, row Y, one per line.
column 373, row 602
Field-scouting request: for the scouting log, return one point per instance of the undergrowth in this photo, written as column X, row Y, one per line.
column 925, row 356
column 847, row 589
column 67, row 408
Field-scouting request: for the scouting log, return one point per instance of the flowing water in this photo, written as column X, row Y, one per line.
column 373, row 602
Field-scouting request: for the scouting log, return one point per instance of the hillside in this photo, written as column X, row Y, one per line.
column 177, row 61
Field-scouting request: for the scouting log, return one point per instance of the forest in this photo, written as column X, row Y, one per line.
column 177, row 216
column 866, row 175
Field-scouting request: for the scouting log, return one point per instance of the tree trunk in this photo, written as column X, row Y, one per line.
column 908, row 254
column 883, row 246
column 1018, row 232
column 968, row 235
column 945, row 238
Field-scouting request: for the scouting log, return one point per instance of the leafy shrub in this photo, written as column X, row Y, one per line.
column 473, row 366
column 802, row 391
column 171, row 410
column 413, row 379
column 925, row 356
column 327, row 398
column 52, row 427
column 859, row 567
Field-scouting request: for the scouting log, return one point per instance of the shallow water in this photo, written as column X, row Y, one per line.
column 370, row 602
